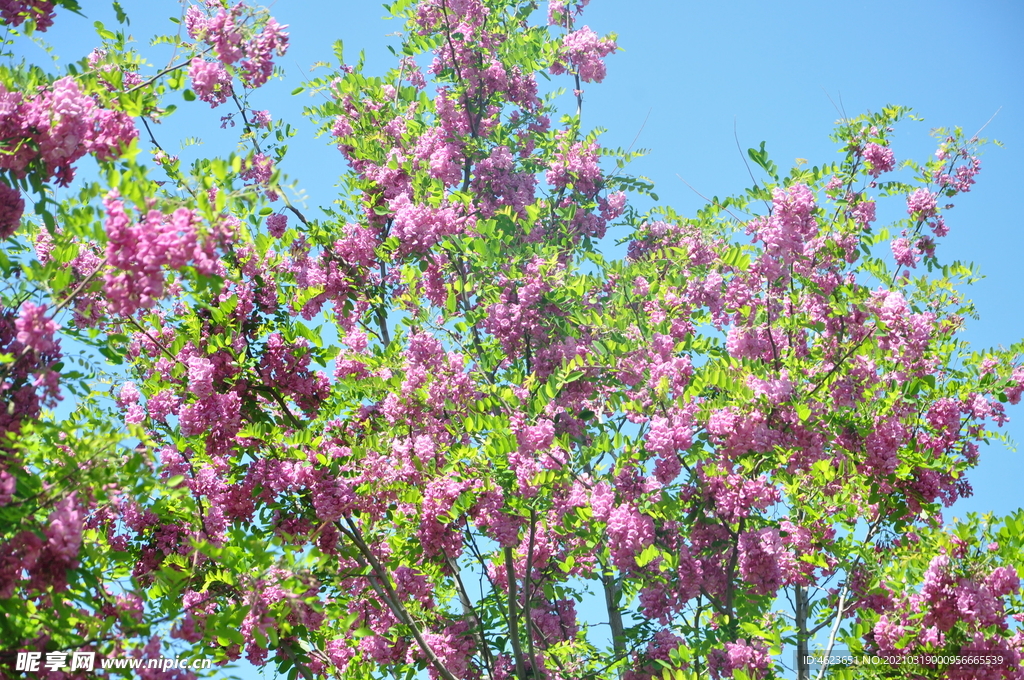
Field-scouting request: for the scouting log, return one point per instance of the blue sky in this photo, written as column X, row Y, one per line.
column 699, row 73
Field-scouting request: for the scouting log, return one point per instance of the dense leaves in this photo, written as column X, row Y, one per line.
column 436, row 426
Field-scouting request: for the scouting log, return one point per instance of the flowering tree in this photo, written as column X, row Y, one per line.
column 413, row 432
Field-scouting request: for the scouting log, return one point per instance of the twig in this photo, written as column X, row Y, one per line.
column 164, row 72
column 513, row 615
column 392, row 599
column 975, row 135
column 78, row 289
column 527, row 586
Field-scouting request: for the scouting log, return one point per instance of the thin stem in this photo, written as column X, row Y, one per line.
column 513, row 615
column 164, row 72
column 81, row 286
column 835, row 631
column 470, row 612
column 392, row 599
column 612, row 591
column 527, row 588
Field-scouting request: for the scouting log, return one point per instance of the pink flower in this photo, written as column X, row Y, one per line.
column 276, row 225
column 195, row 22
column 921, row 204
column 221, row 32
column 210, row 81
column 903, row 253
column 12, row 205
column 576, row 163
column 537, row 437
column 786, row 234
column 1003, row 581
column 751, row 658
column 629, row 532
column 584, row 51
column 163, row 404
column 35, row 329
column 64, row 535
column 261, row 118
column 129, row 394
column 14, row 12
column 864, row 213
column 259, row 170
column 258, row 64
column 880, row 157
column 760, row 551
column 138, row 253
column 200, row 376
column 56, row 128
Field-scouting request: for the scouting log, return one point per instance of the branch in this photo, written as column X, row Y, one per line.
column 527, row 594
column 835, row 631
column 78, row 289
column 611, row 593
column 467, row 608
column 167, row 70
column 513, row 616
column 296, row 423
column 391, row 599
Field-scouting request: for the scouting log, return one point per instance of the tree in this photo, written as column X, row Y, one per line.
column 415, row 431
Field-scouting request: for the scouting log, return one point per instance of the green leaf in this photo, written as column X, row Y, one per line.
column 122, row 18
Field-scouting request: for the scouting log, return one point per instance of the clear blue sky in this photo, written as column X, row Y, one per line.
column 696, row 70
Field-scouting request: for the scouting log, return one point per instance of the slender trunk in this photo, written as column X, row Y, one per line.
column 513, row 616
column 612, row 593
column 528, row 595
column 802, row 671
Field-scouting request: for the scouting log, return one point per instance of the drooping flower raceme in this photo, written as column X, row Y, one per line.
column 583, row 52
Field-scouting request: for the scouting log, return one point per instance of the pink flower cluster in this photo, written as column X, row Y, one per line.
column 12, row 206
column 760, row 553
column 499, row 184
column 956, row 602
column 15, row 12
column 922, row 204
column 629, row 532
column 575, row 163
column 49, row 132
column 211, row 82
column 661, row 646
column 258, row 65
column 225, row 33
column 259, row 170
column 787, row 233
column 736, row 497
column 454, row 647
column 419, row 226
column 904, row 253
column 962, row 178
column 138, row 253
column 583, row 52
column 880, row 157
column 36, row 330
column 668, row 437
column 750, row 657
column 948, row 598
column 29, row 340
column 559, row 13
column 47, row 560
column 276, row 225
column 285, row 368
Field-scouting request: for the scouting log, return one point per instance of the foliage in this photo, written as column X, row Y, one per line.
column 416, row 430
